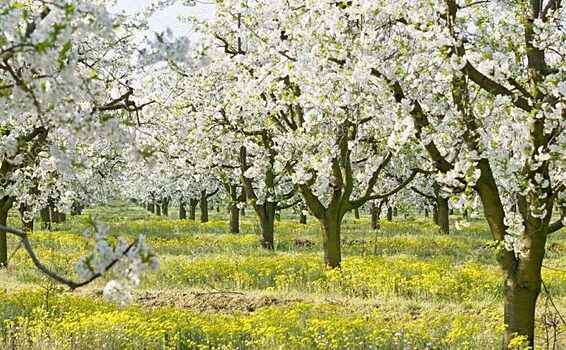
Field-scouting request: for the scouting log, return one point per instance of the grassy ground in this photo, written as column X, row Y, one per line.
column 402, row 287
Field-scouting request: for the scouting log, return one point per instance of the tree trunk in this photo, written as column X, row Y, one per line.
column 234, row 218
column 330, row 227
column 426, row 213
column 356, row 213
column 395, row 211
column 522, row 278
column 151, row 206
column 26, row 225
column 375, row 214
column 389, row 213
column 278, row 216
column 182, row 211
column 443, row 214
column 435, row 214
column 243, row 211
column 165, row 207
column 54, row 214
column 77, row 209
column 193, row 209
column 158, row 209
column 519, row 310
column 266, row 216
column 4, row 208
column 203, row 207
column 45, row 219
column 302, row 216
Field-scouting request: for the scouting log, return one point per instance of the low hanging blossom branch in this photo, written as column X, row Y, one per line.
column 126, row 262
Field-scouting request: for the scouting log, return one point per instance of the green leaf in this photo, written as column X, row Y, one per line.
column 17, row 5
column 42, row 46
column 69, row 9
column 63, row 53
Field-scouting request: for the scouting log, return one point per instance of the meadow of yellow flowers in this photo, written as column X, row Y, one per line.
column 402, row 287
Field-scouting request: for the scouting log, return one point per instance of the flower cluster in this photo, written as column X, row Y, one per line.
column 124, row 262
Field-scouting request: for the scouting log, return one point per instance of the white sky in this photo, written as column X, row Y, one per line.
column 168, row 17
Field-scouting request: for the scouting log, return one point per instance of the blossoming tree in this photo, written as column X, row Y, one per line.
column 484, row 85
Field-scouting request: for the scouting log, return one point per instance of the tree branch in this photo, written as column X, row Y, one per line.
column 73, row 285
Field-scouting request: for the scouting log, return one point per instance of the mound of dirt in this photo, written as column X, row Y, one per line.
column 217, row 301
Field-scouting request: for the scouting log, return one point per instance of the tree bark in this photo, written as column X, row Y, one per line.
column 151, row 206
column 158, row 208
column 234, row 218
column 26, row 225
column 356, row 213
column 266, row 216
column 302, row 215
column 330, row 227
column 165, row 207
column 443, row 214
column 203, row 207
column 523, row 281
column 193, row 209
column 389, row 213
column 243, row 211
column 4, row 208
column 375, row 214
column 182, row 211
column 54, row 214
column 395, row 211
column 77, row 209
column 519, row 309
column 45, row 219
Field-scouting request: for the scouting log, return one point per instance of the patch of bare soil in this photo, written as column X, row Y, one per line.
column 216, row 301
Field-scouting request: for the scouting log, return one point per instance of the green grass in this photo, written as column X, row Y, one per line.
column 402, row 287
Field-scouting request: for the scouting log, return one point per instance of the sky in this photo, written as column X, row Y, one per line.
column 168, row 17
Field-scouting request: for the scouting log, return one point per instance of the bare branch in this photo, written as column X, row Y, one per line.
column 73, row 285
